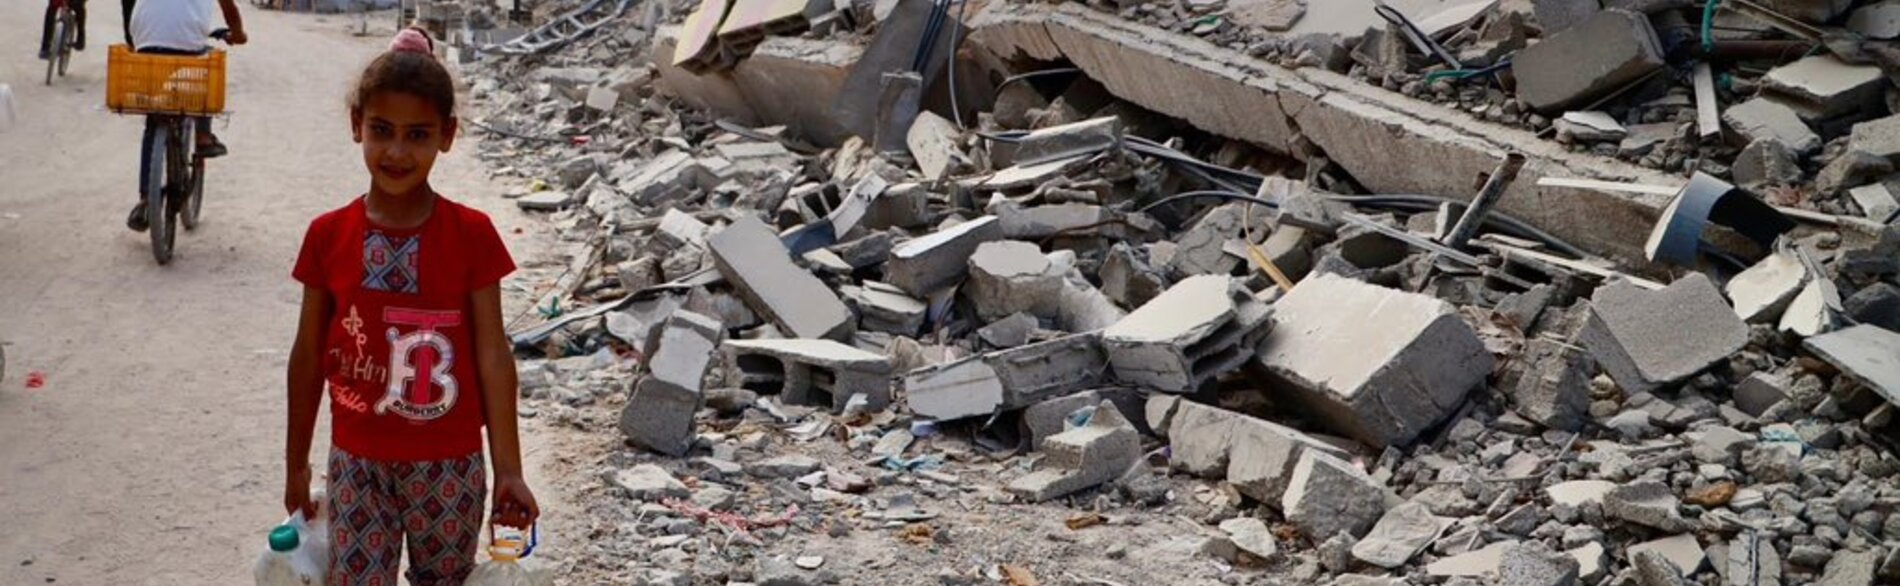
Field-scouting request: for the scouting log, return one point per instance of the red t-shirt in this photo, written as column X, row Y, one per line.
column 399, row 353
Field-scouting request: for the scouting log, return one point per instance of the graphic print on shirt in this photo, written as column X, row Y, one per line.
column 390, row 262
column 356, row 365
column 422, row 383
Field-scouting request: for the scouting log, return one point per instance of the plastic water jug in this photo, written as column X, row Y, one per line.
column 299, row 554
column 507, row 565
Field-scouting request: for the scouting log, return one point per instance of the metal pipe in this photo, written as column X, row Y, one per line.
column 1487, row 198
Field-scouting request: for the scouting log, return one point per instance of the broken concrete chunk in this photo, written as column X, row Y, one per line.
column 1009, row 332
column 933, row 142
column 1877, row 201
column 1604, row 53
column 1531, row 563
column 1128, row 280
column 1083, row 457
column 1053, row 416
column 760, row 268
column 649, row 482
column 1399, row 535
column 1880, row 137
column 1764, row 118
column 1328, row 496
column 1009, row 277
column 810, row 372
column 1261, row 456
column 1753, row 561
column 1556, row 16
column 1760, row 391
column 1375, row 364
column 1808, row 315
column 1766, row 162
column 1655, row 569
column 1868, row 354
column 659, row 413
column 1851, row 568
column 1764, row 290
column 1554, row 390
column 1576, row 493
column 1876, row 305
column 1069, row 140
column 1590, row 126
column 1682, row 551
column 1879, row 20
column 886, row 309
column 1196, row 330
column 1252, row 536
column 925, row 265
column 1647, row 339
column 1828, row 85
column 1647, row 503
column 1201, row 250
column 1474, row 563
column 1013, row 378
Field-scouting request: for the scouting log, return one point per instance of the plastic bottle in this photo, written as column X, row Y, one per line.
column 506, row 565
column 299, row 554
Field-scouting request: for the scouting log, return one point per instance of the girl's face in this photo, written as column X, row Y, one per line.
column 401, row 135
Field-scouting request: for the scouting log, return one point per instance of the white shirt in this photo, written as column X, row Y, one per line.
column 183, row 25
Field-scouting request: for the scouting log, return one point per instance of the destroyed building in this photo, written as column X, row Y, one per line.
column 1421, row 291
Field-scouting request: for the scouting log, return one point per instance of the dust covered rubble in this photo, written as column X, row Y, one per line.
column 793, row 362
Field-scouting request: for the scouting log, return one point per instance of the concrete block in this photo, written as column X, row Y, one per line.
column 1763, row 118
column 1198, row 329
column 1009, row 277
column 1681, row 550
column 1083, row 457
column 1202, row 249
column 933, row 142
column 603, row 100
column 1557, row 16
column 666, row 177
column 1372, row 363
column 1649, row 339
column 659, row 413
column 883, row 308
column 1828, row 85
column 759, row 267
column 1766, row 162
column 1013, row 378
column 1877, row 201
column 1009, row 332
column 809, row 372
column 1759, row 392
column 1601, row 55
column 1879, row 137
column 1400, row 534
column 1647, row 503
column 1764, row 290
column 1261, row 455
column 1127, row 279
column 1038, row 222
column 1554, row 390
column 1050, row 417
column 1328, row 496
column 1868, row 354
column 925, row 265
column 792, row 81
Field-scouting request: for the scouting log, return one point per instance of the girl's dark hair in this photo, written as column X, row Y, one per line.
column 407, row 71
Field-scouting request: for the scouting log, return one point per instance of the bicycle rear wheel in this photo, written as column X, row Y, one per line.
column 59, row 44
column 158, row 213
column 194, row 195
column 68, row 28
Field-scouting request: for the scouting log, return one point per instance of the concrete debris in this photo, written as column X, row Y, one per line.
column 1765, row 118
column 1473, row 563
column 1376, row 364
column 809, row 372
column 1605, row 52
column 1827, row 85
column 1328, row 496
column 1009, row 277
column 1648, row 339
column 1083, row 457
column 1681, row 551
column 1400, row 534
column 1196, row 330
column 1763, row 291
column 1766, row 162
column 1590, row 126
column 925, row 265
column 1877, row 201
column 1753, row 561
column 1869, row 355
column 1007, row 379
column 1654, row 569
column 884, row 308
column 1878, row 20
column 1252, row 536
column 649, row 482
column 659, row 413
column 1068, row 140
column 1532, row 563
column 1650, row 504
column 759, row 267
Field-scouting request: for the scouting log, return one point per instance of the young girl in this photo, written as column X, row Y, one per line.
column 402, row 323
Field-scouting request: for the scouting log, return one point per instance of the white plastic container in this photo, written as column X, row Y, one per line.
column 507, row 566
column 299, row 554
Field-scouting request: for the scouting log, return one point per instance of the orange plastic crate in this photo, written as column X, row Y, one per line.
column 140, row 83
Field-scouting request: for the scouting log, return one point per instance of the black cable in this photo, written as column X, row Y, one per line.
column 1186, row 195
column 1031, row 75
column 963, row 9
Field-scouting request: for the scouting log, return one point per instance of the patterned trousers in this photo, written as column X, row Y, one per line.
column 375, row 506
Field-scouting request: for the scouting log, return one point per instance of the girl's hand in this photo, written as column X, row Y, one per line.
column 297, row 493
column 514, row 503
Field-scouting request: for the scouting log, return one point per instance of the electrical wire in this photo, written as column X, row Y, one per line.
column 956, row 111
column 1031, row 75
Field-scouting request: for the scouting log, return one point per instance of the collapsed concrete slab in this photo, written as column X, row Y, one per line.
column 1604, row 53
column 1868, row 354
column 1014, row 378
column 659, row 413
column 927, row 264
column 1387, row 142
column 1082, row 457
column 761, row 269
column 1376, row 364
column 1826, row 85
column 1648, row 339
column 809, row 372
column 1198, row 329
column 786, row 81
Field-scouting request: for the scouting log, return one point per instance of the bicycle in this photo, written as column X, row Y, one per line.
column 61, row 50
column 172, row 92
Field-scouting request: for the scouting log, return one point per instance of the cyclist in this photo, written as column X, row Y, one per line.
column 79, row 20
column 181, row 27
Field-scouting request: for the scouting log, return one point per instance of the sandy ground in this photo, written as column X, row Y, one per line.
column 153, row 453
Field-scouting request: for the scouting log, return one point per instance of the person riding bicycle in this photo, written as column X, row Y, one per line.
column 181, row 27
column 79, row 25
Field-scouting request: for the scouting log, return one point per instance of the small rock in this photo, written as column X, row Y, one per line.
column 1531, row 563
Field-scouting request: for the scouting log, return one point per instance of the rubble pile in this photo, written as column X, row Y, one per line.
column 1060, row 334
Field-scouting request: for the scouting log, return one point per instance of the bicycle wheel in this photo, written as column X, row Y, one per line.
column 194, row 195
column 158, row 214
column 66, row 32
column 52, row 55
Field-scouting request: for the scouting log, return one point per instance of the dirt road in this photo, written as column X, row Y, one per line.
column 152, row 454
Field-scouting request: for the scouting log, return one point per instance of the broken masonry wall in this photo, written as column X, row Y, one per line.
column 1390, row 143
